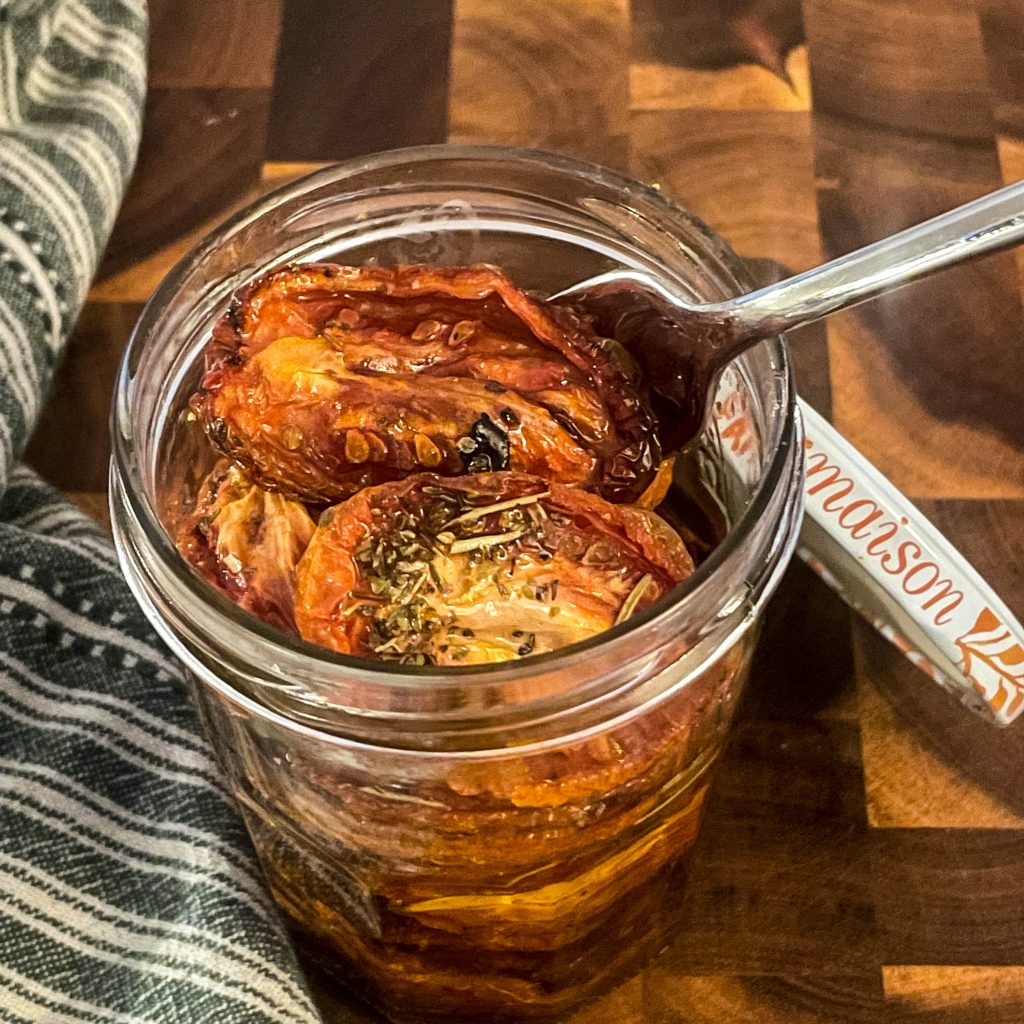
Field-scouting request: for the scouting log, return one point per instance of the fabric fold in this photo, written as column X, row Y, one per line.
column 129, row 890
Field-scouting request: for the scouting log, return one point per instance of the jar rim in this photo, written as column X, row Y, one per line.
column 127, row 478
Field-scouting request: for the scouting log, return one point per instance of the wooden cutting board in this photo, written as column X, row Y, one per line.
column 863, row 857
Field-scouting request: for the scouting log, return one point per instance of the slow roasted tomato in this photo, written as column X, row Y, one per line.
column 322, row 380
column 247, row 542
column 449, row 571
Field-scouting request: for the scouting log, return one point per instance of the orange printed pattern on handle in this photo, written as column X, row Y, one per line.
column 994, row 662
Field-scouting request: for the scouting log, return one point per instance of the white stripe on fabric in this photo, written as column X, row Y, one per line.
column 22, row 8
column 31, row 708
column 92, row 154
column 22, row 393
column 100, row 29
column 48, row 86
column 64, row 208
column 79, row 27
column 89, row 147
column 95, row 549
column 103, row 566
column 9, row 71
column 33, row 994
column 117, row 848
column 137, row 7
column 53, row 924
column 79, row 624
column 110, row 50
column 68, row 193
column 223, row 943
column 64, row 915
column 175, row 830
column 168, row 745
column 17, row 1009
column 48, row 296
column 27, row 353
column 26, row 477
column 44, row 22
column 105, row 174
column 60, row 516
column 7, row 441
column 20, row 366
column 87, row 548
column 56, row 511
column 120, row 104
column 98, row 546
column 90, row 733
column 26, row 350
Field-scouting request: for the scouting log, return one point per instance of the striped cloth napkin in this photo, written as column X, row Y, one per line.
column 128, row 888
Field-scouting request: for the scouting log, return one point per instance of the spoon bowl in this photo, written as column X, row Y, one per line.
column 682, row 347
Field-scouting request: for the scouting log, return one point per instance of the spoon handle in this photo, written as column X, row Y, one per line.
column 871, row 545
column 994, row 222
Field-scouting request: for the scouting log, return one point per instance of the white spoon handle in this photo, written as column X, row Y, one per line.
column 884, row 558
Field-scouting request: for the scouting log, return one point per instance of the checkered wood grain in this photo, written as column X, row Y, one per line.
column 863, row 857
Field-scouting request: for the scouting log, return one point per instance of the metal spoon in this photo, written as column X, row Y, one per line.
column 683, row 346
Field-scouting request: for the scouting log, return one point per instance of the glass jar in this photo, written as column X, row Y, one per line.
column 482, row 842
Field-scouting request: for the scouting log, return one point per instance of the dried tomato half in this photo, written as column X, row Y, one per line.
column 247, row 543
column 449, row 571
column 323, row 379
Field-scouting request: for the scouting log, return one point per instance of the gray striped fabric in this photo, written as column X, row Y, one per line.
column 128, row 889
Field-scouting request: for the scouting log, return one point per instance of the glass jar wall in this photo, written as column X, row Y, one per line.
column 494, row 841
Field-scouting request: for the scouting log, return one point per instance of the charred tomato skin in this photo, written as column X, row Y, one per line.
column 517, row 368
column 246, row 542
column 575, row 555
